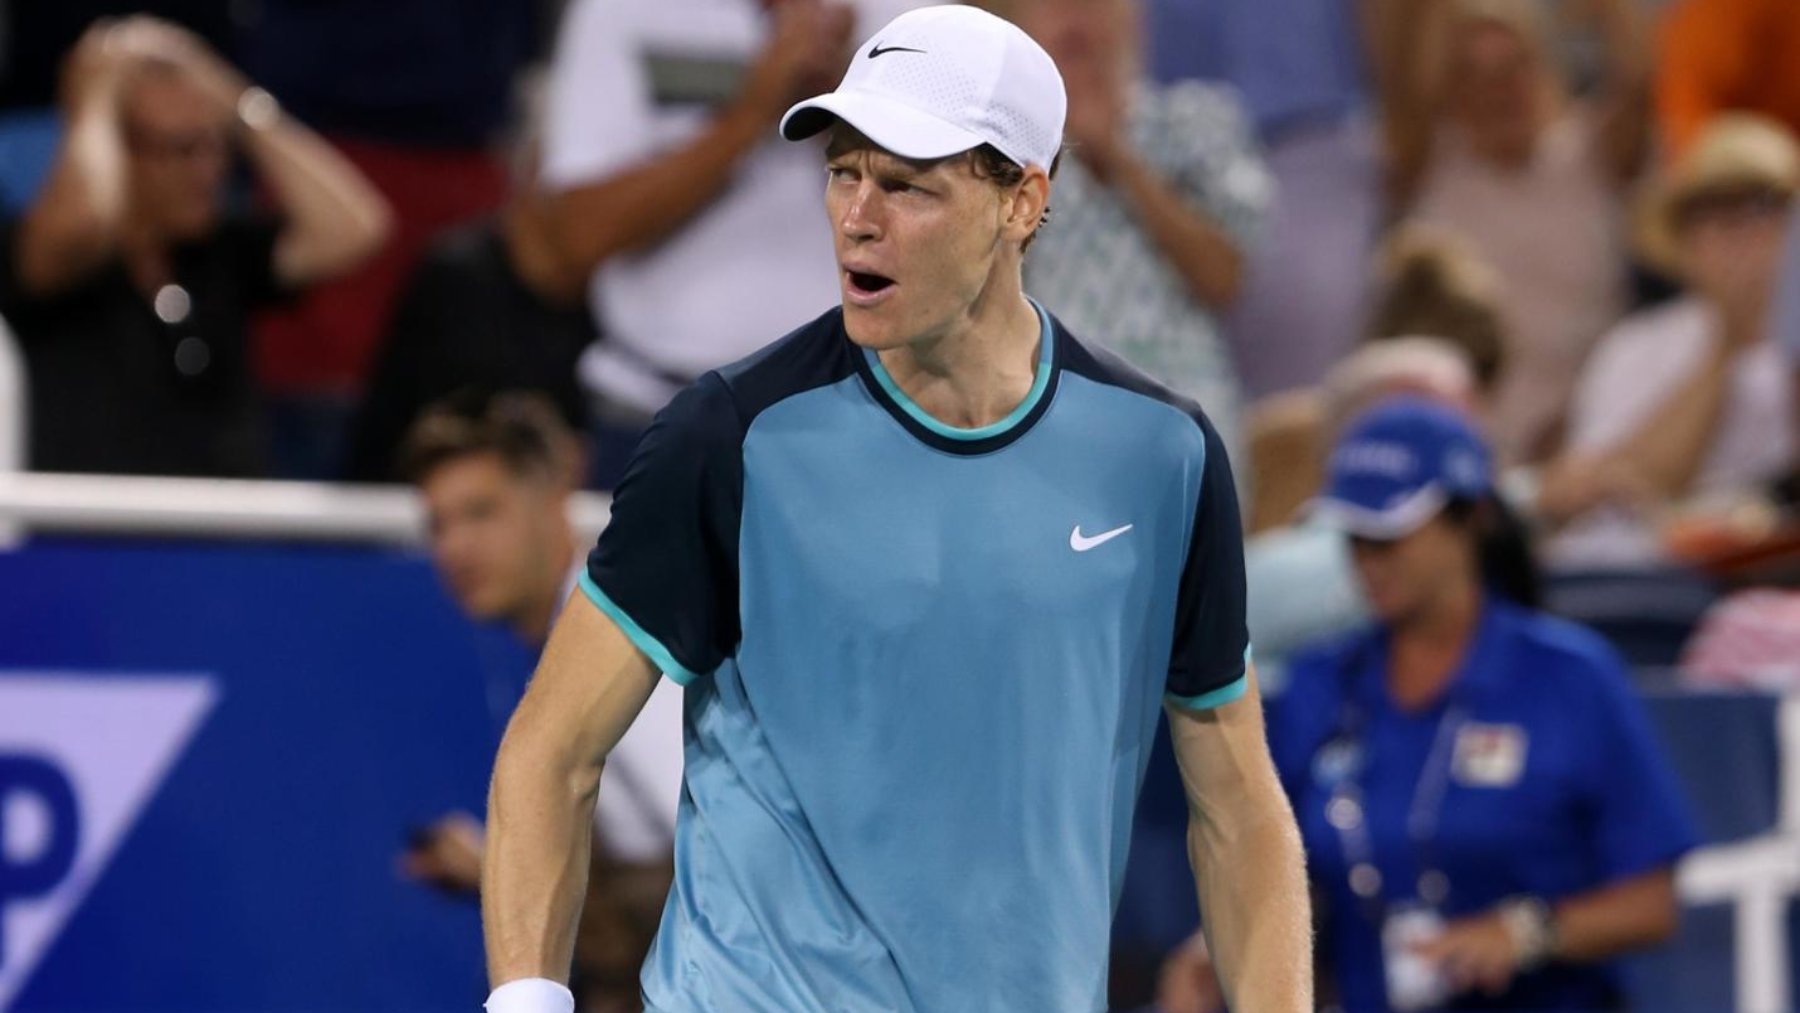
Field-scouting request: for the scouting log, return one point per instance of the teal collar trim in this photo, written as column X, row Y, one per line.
column 1039, row 384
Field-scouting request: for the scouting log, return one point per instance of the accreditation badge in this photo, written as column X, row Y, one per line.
column 1489, row 756
column 1413, row 982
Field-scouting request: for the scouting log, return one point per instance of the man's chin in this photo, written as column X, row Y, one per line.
column 871, row 329
column 482, row 606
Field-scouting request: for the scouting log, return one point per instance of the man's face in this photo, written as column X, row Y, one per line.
column 493, row 534
column 918, row 243
column 179, row 150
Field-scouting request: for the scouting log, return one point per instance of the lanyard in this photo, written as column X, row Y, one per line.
column 1347, row 811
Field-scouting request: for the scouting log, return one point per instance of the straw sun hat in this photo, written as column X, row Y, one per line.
column 1737, row 152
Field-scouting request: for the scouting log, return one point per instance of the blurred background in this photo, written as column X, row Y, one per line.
column 325, row 325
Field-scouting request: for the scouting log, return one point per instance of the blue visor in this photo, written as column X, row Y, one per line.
column 1398, row 465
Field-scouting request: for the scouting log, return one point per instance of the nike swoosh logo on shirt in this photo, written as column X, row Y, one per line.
column 1081, row 543
column 876, row 50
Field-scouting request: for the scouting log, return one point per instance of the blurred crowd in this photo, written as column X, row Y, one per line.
column 261, row 240
column 271, row 239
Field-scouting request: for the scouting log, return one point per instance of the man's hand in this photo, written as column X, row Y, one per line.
column 1476, row 952
column 448, row 854
column 1188, row 983
column 803, row 56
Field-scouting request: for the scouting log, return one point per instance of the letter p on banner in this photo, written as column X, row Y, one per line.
column 40, row 831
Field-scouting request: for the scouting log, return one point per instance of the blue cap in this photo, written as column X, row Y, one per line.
column 1397, row 466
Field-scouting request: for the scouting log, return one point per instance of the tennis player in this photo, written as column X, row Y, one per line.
column 928, row 568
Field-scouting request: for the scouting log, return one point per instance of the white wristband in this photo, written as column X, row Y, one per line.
column 531, row 995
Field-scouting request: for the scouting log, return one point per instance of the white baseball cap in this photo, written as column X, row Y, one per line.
column 938, row 81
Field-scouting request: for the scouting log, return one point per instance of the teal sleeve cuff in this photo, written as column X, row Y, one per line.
column 1218, row 697
column 640, row 637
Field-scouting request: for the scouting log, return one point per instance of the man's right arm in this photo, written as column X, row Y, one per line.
column 590, row 685
column 642, row 204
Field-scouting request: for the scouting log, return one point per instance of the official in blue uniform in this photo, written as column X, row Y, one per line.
column 1487, row 817
column 930, row 569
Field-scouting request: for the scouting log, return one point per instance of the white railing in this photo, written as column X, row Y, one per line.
column 228, row 508
column 14, row 410
column 1759, row 877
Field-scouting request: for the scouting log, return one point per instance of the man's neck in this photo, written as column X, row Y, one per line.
column 532, row 622
column 980, row 369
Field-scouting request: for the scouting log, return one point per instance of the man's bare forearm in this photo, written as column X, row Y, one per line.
column 643, row 205
column 1249, row 866
column 588, row 688
column 1254, row 903
column 1203, row 254
column 535, row 867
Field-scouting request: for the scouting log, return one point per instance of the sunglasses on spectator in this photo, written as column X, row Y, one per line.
column 1737, row 204
column 177, row 146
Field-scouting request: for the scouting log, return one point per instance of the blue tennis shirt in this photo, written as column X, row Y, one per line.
column 923, row 669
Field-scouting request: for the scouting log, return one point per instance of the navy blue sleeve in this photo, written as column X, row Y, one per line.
column 666, row 567
column 1212, row 640
column 1641, row 820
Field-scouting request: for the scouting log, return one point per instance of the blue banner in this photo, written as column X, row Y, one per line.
column 210, row 759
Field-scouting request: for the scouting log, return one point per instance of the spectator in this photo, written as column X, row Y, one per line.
column 1488, row 820
column 127, row 284
column 1723, row 55
column 1694, row 397
column 491, row 308
column 1300, row 69
column 1154, row 212
column 1427, row 284
column 1785, row 322
column 416, row 94
column 495, row 477
column 1485, row 143
column 1301, row 585
column 703, row 231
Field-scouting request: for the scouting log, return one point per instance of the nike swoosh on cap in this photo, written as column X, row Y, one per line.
column 876, row 50
column 1081, row 543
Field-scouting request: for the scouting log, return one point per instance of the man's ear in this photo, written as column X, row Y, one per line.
column 1029, row 203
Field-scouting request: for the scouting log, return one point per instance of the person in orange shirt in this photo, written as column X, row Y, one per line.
column 1719, row 55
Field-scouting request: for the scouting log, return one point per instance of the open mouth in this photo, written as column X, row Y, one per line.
column 868, row 283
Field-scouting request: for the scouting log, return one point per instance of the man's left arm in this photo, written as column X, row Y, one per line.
column 1245, row 849
column 334, row 217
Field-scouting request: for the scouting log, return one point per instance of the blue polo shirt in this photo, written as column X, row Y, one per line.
column 923, row 668
column 1556, row 786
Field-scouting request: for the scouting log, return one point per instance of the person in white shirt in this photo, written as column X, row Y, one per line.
column 703, row 231
column 495, row 475
column 1689, row 399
